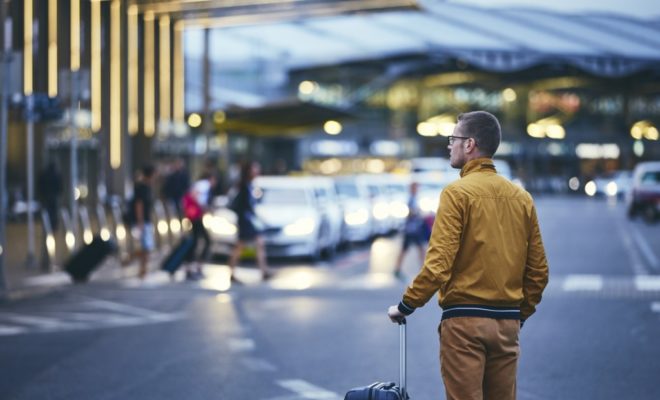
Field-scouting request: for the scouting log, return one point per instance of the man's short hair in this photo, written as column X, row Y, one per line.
column 484, row 128
column 148, row 170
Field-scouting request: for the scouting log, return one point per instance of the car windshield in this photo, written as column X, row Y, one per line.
column 282, row 196
column 430, row 187
column 651, row 178
column 347, row 190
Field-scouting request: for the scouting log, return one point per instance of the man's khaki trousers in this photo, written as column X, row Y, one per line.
column 479, row 358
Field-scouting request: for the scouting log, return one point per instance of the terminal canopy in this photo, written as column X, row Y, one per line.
column 495, row 40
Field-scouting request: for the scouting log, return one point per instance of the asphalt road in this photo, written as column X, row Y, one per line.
column 316, row 331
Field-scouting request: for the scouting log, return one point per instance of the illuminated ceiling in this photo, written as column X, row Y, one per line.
column 209, row 13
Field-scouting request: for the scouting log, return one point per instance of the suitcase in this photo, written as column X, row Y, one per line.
column 178, row 255
column 386, row 390
column 89, row 257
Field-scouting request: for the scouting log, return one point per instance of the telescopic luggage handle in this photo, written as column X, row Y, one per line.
column 402, row 358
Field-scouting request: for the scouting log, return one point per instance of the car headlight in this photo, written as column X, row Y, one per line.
column 220, row 225
column 611, row 189
column 381, row 211
column 357, row 217
column 399, row 209
column 590, row 188
column 302, row 226
column 428, row 204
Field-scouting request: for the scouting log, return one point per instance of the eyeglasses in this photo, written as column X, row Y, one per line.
column 454, row 138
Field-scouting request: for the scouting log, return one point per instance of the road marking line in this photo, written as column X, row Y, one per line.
column 308, row 391
column 141, row 312
column 645, row 248
column 42, row 323
column 647, row 282
column 583, row 282
column 241, row 345
column 258, row 364
column 11, row 330
column 655, row 306
column 636, row 261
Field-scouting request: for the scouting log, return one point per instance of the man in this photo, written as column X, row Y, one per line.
column 143, row 207
column 487, row 263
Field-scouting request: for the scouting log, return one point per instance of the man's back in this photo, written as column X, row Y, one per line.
column 496, row 220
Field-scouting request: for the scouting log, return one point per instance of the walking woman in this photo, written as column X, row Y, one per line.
column 243, row 205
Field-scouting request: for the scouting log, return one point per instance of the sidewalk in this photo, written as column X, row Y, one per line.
column 25, row 279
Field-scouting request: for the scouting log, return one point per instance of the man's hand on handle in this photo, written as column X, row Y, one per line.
column 395, row 315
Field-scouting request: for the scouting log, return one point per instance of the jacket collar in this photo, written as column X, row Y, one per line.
column 478, row 164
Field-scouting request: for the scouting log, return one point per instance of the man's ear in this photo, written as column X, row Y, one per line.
column 470, row 146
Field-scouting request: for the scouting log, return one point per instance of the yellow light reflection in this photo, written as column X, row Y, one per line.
column 175, row 225
column 162, row 227
column 306, row 87
column 87, row 236
column 223, row 298
column 149, row 74
column 70, row 240
column 105, row 234
column 95, row 64
column 332, row 127
column 52, row 48
column 27, row 47
column 132, row 32
column 115, row 84
column 509, row 95
column 121, row 232
column 164, row 67
column 217, row 279
column 186, row 225
column 194, row 120
column 50, row 245
column 178, row 105
column 299, row 280
column 426, row 129
column 75, row 35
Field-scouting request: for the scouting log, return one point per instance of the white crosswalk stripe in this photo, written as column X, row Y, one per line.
column 583, row 282
column 306, row 390
column 647, row 282
column 89, row 314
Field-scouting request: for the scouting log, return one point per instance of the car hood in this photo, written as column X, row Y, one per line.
column 281, row 215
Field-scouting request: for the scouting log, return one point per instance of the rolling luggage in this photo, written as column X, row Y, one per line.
column 386, row 390
column 178, row 255
column 85, row 260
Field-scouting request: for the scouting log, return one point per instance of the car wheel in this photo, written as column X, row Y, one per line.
column 330, row 252
column 649, row 214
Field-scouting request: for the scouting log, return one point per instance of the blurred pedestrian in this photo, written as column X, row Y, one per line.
column 243, row 204
column 142, row 204
column 487, row 263
column 50, row 187
column 177, row 183
column 414, row 230
column 196, row 205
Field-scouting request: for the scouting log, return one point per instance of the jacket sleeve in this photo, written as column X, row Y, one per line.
column 536, row 270
column 443, row 246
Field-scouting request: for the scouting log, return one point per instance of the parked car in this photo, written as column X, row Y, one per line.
column 644, row 198
column 356, row 206
column 504, row 169
column 381, row 221
column 395, row 189
column 613, row 184
column 430, row 185
column 330, row 210
column 290, row 209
